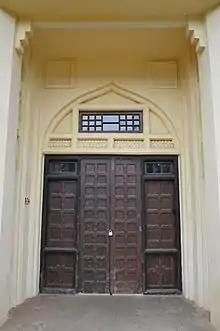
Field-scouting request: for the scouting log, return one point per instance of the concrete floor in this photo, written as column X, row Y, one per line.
column 106, row 313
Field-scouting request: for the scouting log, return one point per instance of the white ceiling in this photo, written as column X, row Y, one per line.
column 100, row 10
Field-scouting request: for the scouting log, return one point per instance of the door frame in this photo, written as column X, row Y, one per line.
column 142, row 158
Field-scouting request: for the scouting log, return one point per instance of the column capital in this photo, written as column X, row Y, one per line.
column 23, row 34
column 196, row 31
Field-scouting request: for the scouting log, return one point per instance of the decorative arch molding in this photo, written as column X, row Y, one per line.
column 159, row 136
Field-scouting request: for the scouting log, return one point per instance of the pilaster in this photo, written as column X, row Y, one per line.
column 209, row 82
column 13, row 36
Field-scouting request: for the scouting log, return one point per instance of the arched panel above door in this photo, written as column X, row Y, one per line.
column 158, row 134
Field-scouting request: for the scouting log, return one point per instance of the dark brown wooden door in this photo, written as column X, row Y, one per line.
column 161, row 223
column 94, row 223
column 110, row 202
column 59, row 235
column 126, row 226
column 111, row 225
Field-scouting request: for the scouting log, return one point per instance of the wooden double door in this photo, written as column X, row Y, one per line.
column 110, row 225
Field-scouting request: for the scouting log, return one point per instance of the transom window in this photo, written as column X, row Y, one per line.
column 62, row 167
column 159, row 168
column 130, row 121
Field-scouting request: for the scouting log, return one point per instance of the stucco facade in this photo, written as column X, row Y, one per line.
column 51, row 71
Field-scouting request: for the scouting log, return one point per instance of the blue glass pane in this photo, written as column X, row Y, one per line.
column 123, row 128
column 111, row 127
column 111, row 118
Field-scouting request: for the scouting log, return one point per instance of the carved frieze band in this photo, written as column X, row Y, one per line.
column 129, row 144
column 92, row 143
column 60, row 143
column 84, row 143
column 162, row 144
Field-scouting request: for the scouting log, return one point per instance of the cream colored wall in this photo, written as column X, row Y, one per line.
column 120, row 68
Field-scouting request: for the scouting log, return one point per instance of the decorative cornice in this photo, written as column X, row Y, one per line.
column 23, row 34
column 109, row 25
column 197, row 34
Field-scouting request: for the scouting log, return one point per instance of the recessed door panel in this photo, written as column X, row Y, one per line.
column 161, row 238
column 126, row 226
column 94, row 224
column 59, row 230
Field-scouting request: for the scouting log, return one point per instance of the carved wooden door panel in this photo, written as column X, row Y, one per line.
column 110, row 225
column 95, row 223
column 126, row 226
column 162, row 231
column 59, row 233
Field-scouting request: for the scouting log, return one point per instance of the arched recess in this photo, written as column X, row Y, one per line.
column 159, row 134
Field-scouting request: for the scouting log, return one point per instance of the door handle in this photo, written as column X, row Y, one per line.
column 110, row 233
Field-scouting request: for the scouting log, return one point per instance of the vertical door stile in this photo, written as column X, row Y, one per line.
column 111, row 228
